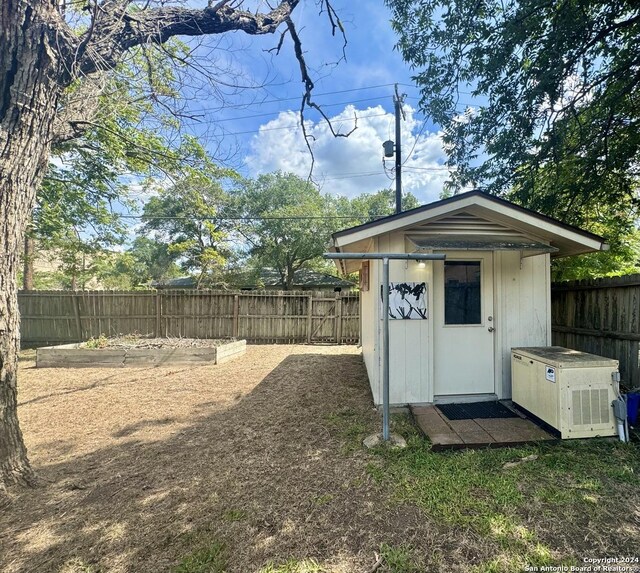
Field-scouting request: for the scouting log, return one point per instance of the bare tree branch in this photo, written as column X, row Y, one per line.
column 308, row 92
column 117, row 30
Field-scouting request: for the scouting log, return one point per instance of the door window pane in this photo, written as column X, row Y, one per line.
column 462, row 292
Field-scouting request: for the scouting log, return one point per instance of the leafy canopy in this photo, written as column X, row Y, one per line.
column 369, row 206
column 557, row 123
column 559, row 79
column 288, row 221
column 185, row 218
column 131, row 142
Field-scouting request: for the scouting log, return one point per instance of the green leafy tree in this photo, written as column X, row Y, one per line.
column 185, row 218
column 557, row 194
column 148, row 260
column 369, row 206
column 557, row 122
column 556, row 77
column 289, row 222
column 89, row 177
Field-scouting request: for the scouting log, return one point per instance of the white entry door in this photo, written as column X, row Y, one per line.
column 463, row 327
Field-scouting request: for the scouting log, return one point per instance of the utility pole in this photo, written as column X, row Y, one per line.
column 390, row 147
column 398, row 100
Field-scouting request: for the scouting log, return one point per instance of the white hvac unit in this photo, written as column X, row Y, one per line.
column 570, row 390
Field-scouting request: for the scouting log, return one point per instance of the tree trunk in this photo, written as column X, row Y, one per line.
column 289, row 283
column 27, row 269
column 28, row 95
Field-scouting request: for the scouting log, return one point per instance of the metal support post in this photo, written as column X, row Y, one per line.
column 385, row 349
column 385, row 258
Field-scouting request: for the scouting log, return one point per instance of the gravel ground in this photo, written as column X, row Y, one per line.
column 140, row 467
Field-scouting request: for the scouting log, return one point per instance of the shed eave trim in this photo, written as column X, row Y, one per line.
column 481, row 243
column 518, row 215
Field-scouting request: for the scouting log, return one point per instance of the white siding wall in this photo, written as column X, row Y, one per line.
column 522, row 318
column 369, row 334
column 522, row 308
column 408, row 339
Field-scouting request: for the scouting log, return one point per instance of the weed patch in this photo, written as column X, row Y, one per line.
column 210, row 559
column 234, row 515
column 472, row 489
column 294, row 566
column 399, row 559
column 349, row 425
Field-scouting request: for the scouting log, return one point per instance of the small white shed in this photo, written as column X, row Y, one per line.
column 454, row 322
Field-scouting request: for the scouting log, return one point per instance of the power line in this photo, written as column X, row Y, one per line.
column 277, row 113
column 274, row 113
column 443, row 168
column 297, row 126
column 353, row 176
column 298, row 98
column 315, row 95
column 414, row 86
column 264, row 218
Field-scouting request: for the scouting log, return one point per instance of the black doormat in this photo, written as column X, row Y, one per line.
column 476, row 410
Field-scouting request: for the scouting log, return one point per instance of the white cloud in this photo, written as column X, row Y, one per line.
column 353, row 165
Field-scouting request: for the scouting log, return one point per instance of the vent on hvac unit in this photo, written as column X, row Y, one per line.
column 590, row 406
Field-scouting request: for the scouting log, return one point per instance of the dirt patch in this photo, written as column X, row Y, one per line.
column 127, row 342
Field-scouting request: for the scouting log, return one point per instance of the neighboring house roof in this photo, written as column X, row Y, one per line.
column 474, row 221
column 266, row 278
column 302, row 278
column 180, row 282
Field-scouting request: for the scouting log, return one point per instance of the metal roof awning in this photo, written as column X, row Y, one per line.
column 527, row 247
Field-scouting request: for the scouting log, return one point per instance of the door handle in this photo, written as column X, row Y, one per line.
column 491, row 329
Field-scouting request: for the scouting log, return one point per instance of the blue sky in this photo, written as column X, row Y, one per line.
column 255, row 129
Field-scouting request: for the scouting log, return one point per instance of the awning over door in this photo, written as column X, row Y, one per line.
column 527, row 247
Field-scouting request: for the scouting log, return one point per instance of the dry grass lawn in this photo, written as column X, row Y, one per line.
column 255, row 466
column 140, row 467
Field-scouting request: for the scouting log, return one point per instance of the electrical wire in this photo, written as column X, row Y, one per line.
column 293, row 127
column 275, row 113
column 297, row 98
column 280, row 100
column 264, row 218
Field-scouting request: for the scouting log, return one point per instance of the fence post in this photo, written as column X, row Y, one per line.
column 309, row 318
column 76, row 312
column 158, row 300
column 338, row 323
column 236, row 317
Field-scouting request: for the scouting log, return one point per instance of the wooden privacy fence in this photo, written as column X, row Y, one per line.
column 600, row 316
column 56, row 317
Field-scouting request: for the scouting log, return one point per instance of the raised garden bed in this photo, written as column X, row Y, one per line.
column 137, row 352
